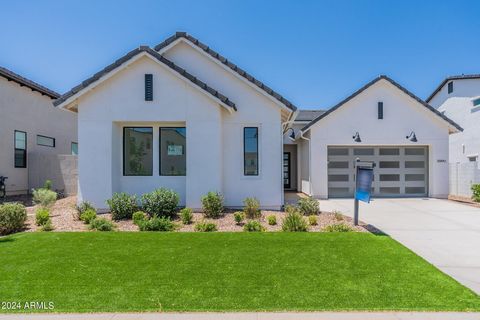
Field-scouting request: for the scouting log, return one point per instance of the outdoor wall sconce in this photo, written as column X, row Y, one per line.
column 291, row 136
column 412, row 137
column 356, row 137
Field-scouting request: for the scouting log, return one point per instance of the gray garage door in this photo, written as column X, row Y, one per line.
column 399, row 171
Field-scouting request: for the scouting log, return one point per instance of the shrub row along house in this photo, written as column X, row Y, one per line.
column 33, row 135
column 184, row 117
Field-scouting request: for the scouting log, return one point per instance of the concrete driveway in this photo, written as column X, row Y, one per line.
column 445, row 233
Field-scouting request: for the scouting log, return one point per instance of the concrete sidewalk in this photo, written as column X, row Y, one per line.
column 445, row 233
column 252, row 316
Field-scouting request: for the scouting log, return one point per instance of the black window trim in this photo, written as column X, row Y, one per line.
column 15, row 149
column 450, row 87
column 160, row 153
column 245, row 152
column 123, row 152
column 46, row 145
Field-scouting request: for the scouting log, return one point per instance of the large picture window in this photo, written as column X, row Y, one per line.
column 137, row 151
column 250, row 151
column 20, row 149
column 173, row 151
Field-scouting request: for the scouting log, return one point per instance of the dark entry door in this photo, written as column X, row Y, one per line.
column 286, row 170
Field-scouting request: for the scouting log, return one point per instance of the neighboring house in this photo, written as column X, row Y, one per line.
column 31, row 130
column 384, row 123
column 182, row 116
column 458, row 97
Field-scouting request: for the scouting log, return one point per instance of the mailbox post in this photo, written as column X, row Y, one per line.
column 363, row 184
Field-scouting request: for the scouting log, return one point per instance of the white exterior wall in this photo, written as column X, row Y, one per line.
column 214, row 136
column 26, row 110
column 402, row 115
column 458, row 106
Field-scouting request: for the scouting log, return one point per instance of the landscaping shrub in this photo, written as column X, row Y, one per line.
column 212, row 204
column 101, row 224
column 308, row 206
column 122, row 205
column 204, row 226
column 44, row 197
column 475, row 192
column 157, row 224
column 139, row 217
column 162, row 202
column 12, row 217
column 272, row 220
column 88, row 216
column 252, row 208
column 238, row 217
column 338, row 215
column 293, row 220
column 338, row 227
column 186, row 214
column 253, row 226
column 42, row 216
column 82, row 207
column 48, row 226
column 312, row 220
column 47, row 185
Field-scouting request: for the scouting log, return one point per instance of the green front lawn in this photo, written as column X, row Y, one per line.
column 120, row 271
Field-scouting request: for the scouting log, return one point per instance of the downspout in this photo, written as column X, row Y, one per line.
column 309, row 163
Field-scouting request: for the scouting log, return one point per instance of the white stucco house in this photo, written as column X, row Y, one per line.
column 184, row 117
column 458, row 97
column 32, row 133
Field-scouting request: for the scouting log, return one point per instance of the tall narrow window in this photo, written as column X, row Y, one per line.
column 20, row 149
column 74, row 148
column 380, row 110
column 45, row 141
column 476, row 102
column 173, row 151
column 250, row 151
column 148, row 87
column 137, row 151
column 450, row 87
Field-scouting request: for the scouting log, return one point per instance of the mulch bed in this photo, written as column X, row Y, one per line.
column 63, row 215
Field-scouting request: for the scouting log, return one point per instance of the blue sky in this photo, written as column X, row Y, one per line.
column 315, row 53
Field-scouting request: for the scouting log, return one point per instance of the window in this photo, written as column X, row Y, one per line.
column 173, row 151
column 20, row 149
column 250, row 151
column 450, row 87
column 45, row 141
column 137, row 151
column 476, row 102
column 472, row 158
column 380, row 110
column 74, row 148
column 148, row 87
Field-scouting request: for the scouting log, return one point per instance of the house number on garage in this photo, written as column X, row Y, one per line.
column 441, row 160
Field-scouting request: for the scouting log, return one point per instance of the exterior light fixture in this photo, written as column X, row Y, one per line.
column 412, row 137
column 291, row 136
column 356, row 137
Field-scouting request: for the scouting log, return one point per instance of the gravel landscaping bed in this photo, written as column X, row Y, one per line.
column 63, row 215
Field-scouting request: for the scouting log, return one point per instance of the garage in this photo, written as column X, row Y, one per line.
column 399, row 172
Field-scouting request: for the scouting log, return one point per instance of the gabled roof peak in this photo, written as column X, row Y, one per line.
column 450, row 78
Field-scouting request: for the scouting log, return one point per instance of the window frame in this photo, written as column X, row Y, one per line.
column 71, row 148
column 46, row 145
column 450, row 87
column 245, row 153
column 123, row 152
column 476, row 102
column 15, row 149
column 160, row 152
column 380, row 110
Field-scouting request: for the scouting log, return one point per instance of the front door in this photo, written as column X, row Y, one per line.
column 286, row 171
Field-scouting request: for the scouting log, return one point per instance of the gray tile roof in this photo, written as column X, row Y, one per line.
column 12, row 76
column 383, row 77
column 161, row 59
column 227, row 63
column 444, row 82
column 308, row 115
